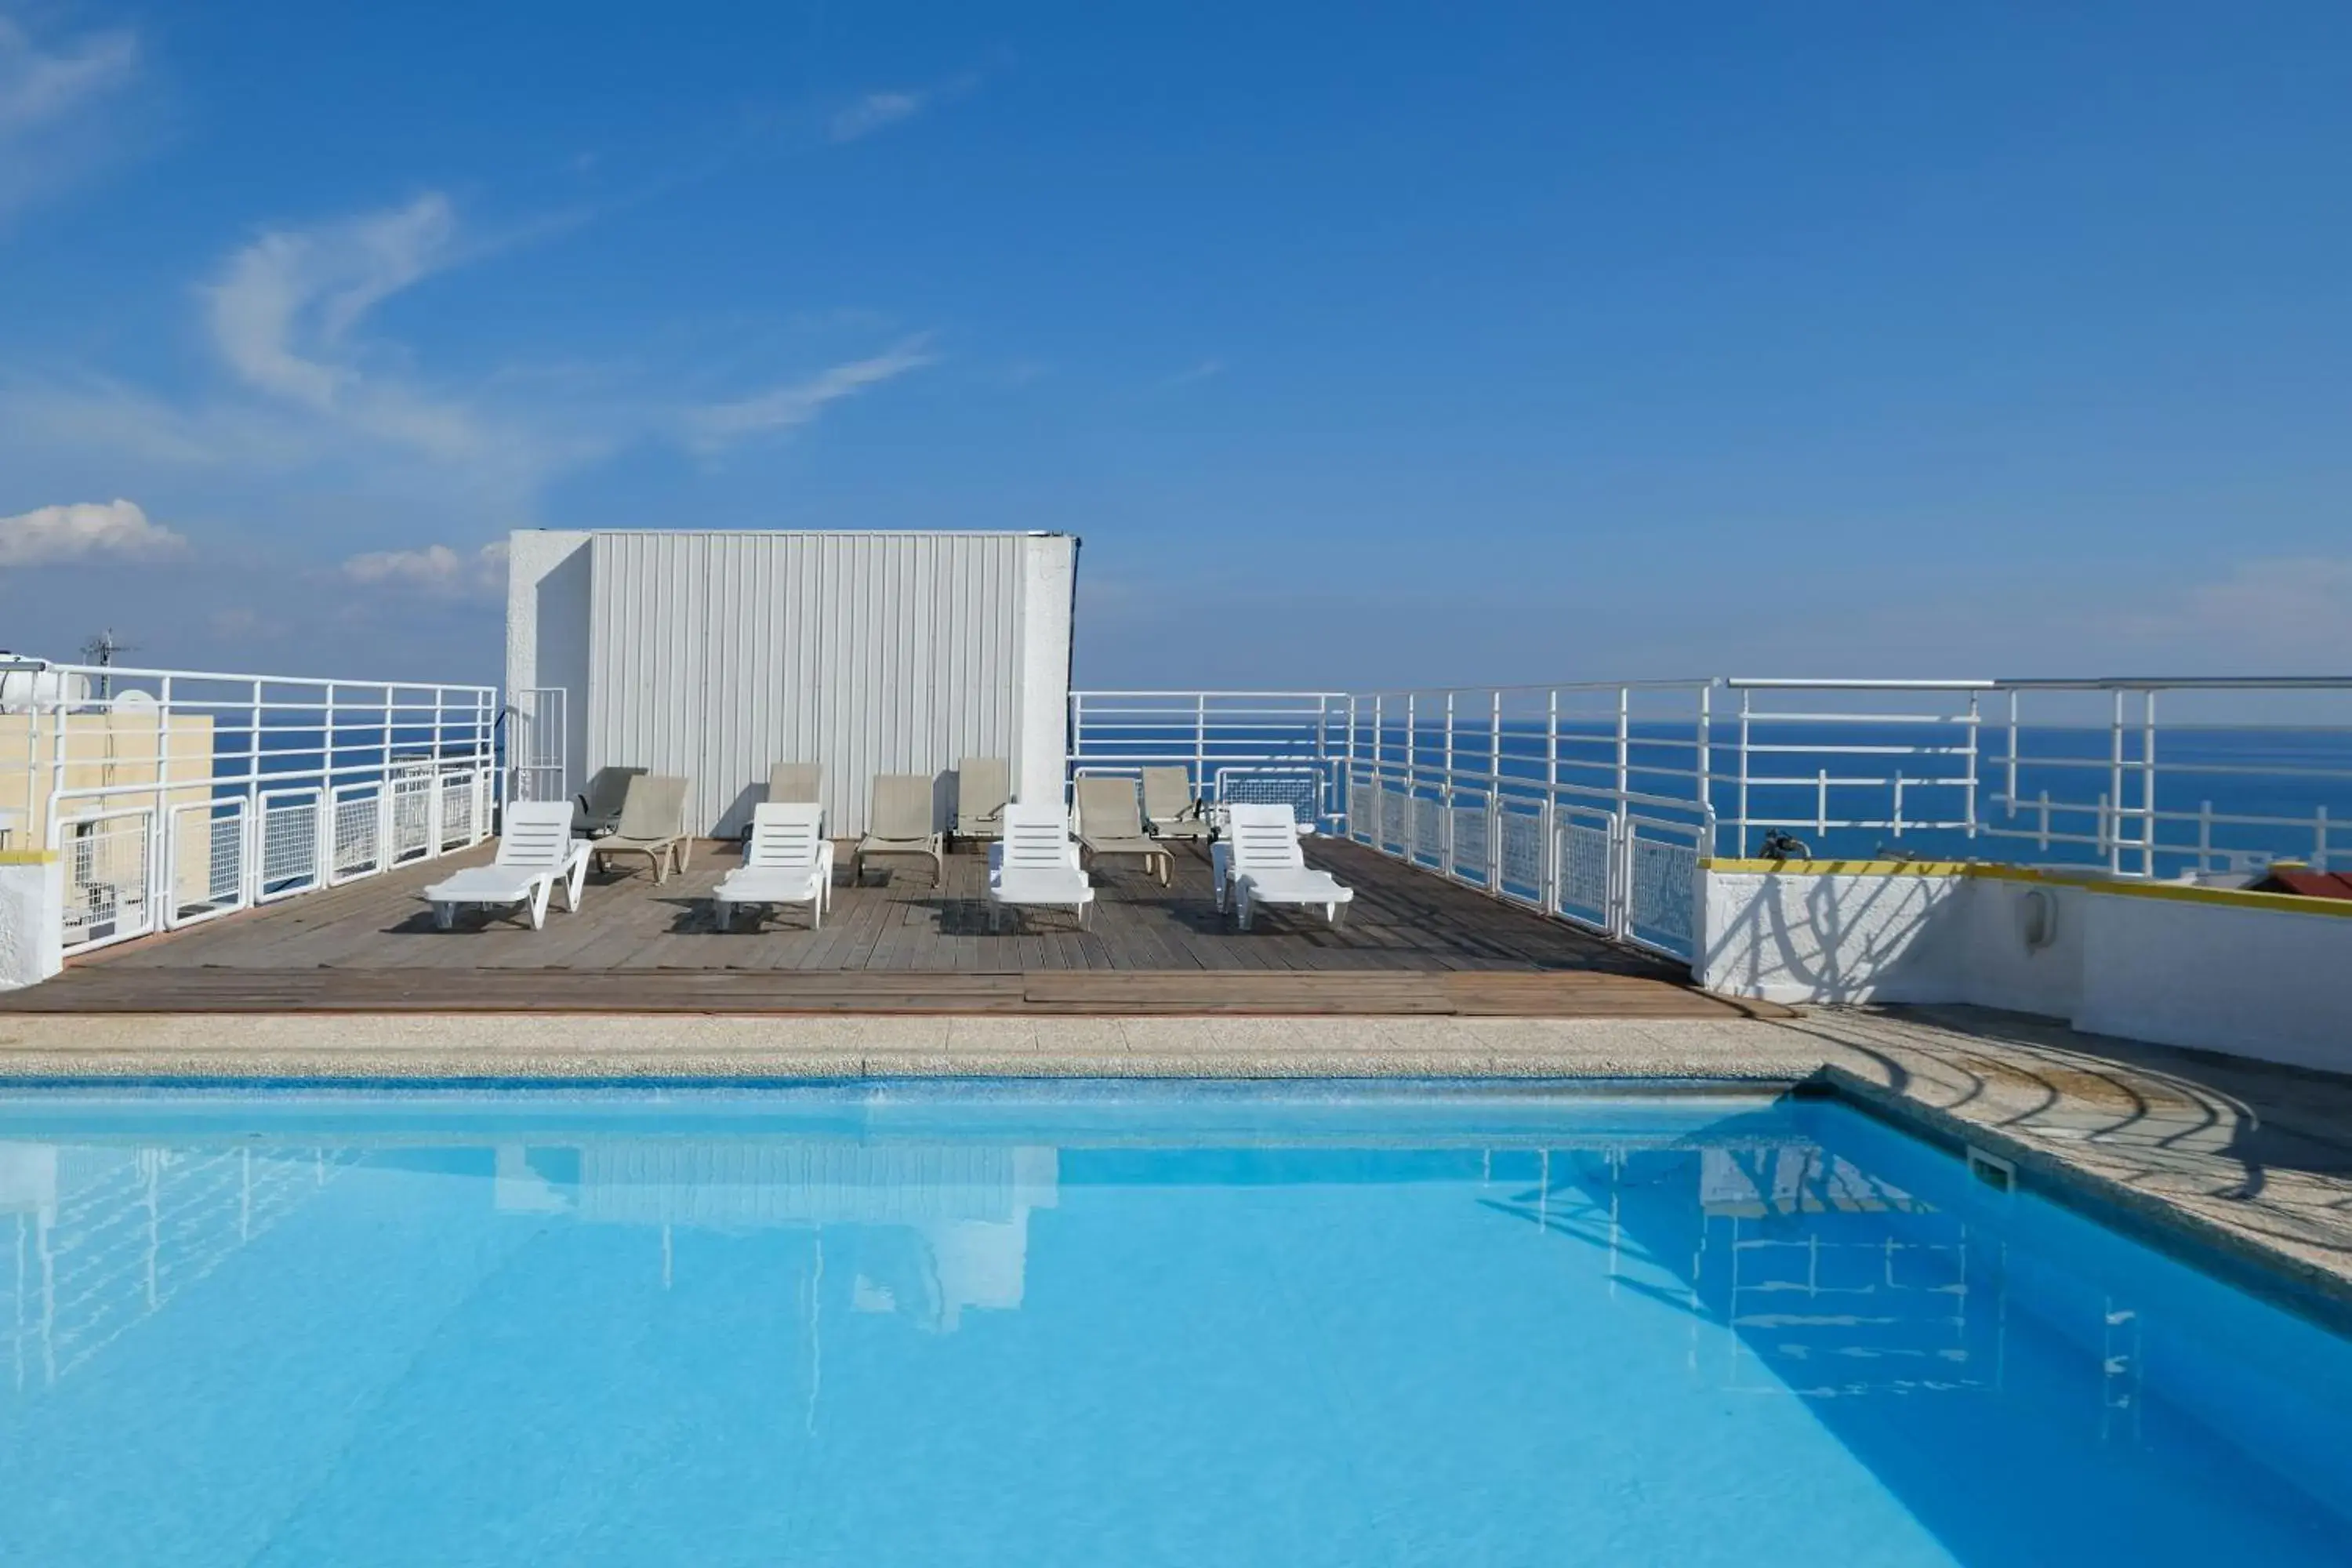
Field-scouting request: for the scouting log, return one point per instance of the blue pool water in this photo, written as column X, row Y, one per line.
column 1116, row 1326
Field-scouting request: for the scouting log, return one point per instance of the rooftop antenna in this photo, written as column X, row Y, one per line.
column 102, row 650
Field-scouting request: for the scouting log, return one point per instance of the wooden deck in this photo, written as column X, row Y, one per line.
column 1412, row 944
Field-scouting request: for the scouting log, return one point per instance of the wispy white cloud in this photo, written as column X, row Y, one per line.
column 714, row 426
column 875, row 111
column 1203, row 371
column 2281, row 607
column 86, row 531
column 61, row 108
column 437, row 569
column 885, row 107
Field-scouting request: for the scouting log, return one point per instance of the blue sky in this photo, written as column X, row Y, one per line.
column 1361, row 343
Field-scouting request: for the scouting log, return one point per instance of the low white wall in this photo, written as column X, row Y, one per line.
column 1828, row 937
column 2257, row 982
column 2254, row 975
column 32, row 917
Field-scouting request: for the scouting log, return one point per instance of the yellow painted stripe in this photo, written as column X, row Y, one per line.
column 2178, row 892
column 1844, row 868
column 26, row 856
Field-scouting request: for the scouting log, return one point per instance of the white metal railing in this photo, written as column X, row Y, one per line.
column 175, row 796
column 1594, row 803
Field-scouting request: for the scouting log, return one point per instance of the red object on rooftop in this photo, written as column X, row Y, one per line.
column 2304, row 880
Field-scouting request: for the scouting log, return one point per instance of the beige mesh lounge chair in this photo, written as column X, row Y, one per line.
column 653, row 823
column 787, row 860
column 796, row 784
column 535, row 852
column 1172, row 809
column 1111, row 823
column 1259, row 862
column 900, row 822
column 1036, row 864
column 600, row 802
column 983, row 789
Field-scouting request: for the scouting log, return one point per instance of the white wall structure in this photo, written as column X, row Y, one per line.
column 2257, row 975
column 717, row 655
column 32, row 907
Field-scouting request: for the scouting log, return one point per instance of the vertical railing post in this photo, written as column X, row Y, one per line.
column 1445, row 839
column 1495, row 794
column 1200, row 744
column 2112, row 834
column 1347, row 773
column 1976, row 714
column 159, row 873
column 1551, row 802
column 2010, row 795
column 1624, row 739
column 1706, row 766
column 1740, row 825
column 2148, row 782
column 254, row 839
column 2319, row 838
column 2205, row 836
column 1413, row 776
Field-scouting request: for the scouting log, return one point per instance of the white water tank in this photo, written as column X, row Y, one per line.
column 40, row 687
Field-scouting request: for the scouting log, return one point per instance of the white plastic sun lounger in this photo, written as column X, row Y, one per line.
column 1262, row 864
column 787, row 860
column 1036, row 863
column 1111, row 823
column 535, row 852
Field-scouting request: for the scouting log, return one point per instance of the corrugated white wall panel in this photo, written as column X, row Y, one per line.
column 717, row 655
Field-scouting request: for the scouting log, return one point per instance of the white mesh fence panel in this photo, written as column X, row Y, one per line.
column 1584, row 859
column 1522, row 853
column 412, row 815
column 207, row 861
column 1301, row 789
column 1396, row 811
column 289, row 845
column 107, row 876
column 456, row 809
column 1363, row 812
column 1429, row 832
column 1662, row 873
column 358, row 832
column 1470, row 846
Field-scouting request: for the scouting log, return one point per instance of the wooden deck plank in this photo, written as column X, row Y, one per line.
column 1413, row 943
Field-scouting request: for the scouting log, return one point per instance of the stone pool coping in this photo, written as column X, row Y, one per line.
column 2246, row 1167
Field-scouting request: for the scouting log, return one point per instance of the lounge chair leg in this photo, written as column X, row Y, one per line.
column 445, row 916
column 538, row 902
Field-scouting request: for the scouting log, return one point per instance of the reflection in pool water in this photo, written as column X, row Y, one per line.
column 1143, row 1326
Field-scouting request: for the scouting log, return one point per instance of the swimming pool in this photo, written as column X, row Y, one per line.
column 955, row 1324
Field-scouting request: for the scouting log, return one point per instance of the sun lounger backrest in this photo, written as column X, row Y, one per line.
column 1036, row 837
column 655, row 807
column 983, row 789
column 902, row 806
column 1167, row 794
column 1263, row 837
column 785, row 837
column 1107, row 808
column 795, row 783
column 608, row 787
column 536, row 835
